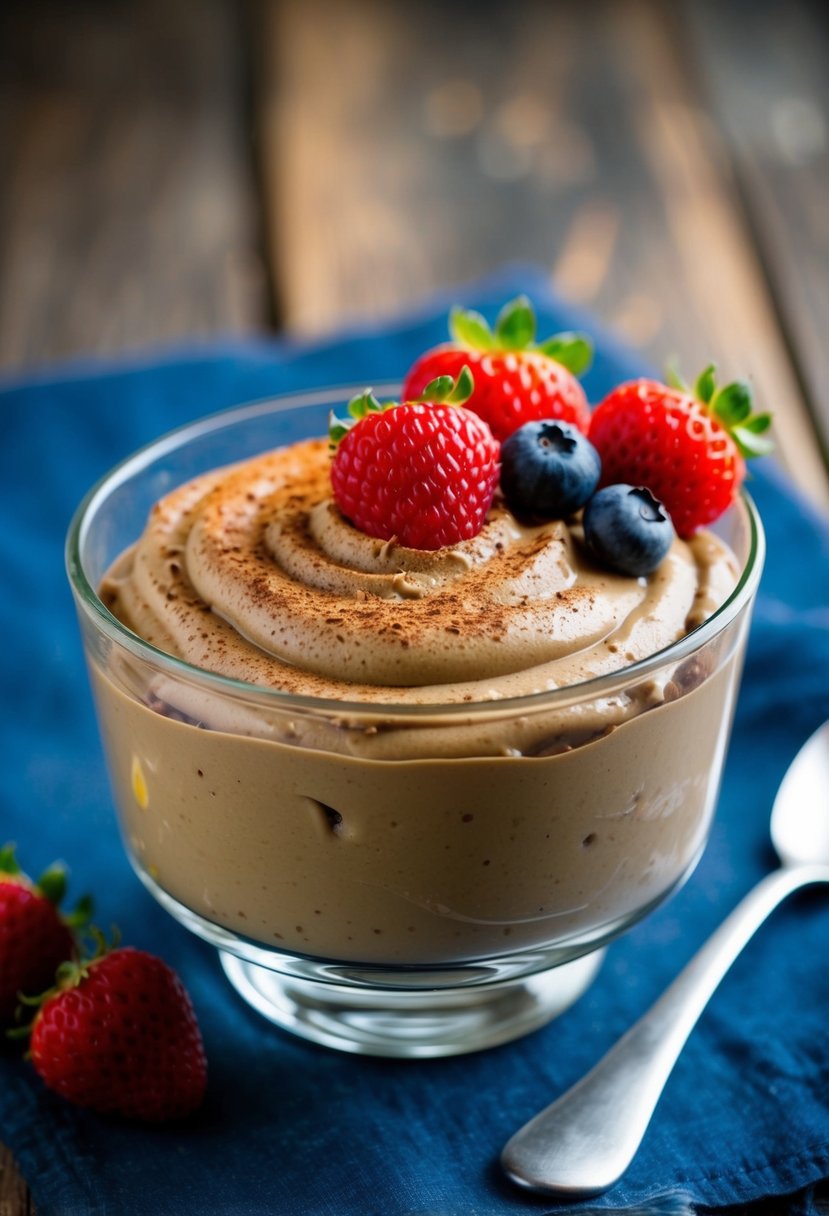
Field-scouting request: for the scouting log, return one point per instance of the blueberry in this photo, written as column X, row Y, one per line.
column 627, row 529
column 548, row 470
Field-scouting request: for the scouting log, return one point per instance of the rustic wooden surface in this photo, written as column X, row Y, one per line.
column 174, row 168
column 582, row 138
column 770, row 96
column 127, row 204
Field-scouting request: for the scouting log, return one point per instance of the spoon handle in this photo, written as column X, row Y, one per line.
column 581, row 1144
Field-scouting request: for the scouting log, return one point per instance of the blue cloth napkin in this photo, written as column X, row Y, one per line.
column 291, row 1128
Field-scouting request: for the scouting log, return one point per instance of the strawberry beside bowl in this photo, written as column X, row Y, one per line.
column 405, row 835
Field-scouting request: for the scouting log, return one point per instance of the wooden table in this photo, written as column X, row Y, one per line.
column 173, row 168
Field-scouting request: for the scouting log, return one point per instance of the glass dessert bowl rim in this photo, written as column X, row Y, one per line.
column 177, row 438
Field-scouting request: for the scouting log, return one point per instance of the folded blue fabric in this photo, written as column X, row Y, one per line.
column 291, row 1128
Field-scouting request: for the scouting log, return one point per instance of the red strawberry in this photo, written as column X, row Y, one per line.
column 516, row 379
column 34, row 938
column 119, row 1036
column 421, row 473
column 687, row 447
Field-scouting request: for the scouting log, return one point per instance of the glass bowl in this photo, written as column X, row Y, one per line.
column 398, row 879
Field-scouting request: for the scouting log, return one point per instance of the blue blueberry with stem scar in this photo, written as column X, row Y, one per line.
column 549, row 469
column 627, row 529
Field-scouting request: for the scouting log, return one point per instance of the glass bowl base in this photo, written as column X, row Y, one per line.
column 413, row 1024
column 410, row 1012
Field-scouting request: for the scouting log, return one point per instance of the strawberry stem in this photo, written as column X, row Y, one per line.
column 359, row 407
column 443, row 390
column 362, row 404
column 51, row 885
column 446, row 390
column 101, row 947
column 34, row 1002
column 515, row 328
column 732, row 406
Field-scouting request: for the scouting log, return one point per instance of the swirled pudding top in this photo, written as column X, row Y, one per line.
column 251, row 572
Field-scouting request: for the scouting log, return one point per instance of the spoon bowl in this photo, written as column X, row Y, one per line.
column 583, row 1143
column 799, row 817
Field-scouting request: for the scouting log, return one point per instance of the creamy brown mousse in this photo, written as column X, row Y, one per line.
column 474, row 824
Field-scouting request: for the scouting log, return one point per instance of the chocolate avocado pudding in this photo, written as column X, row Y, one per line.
column 411, row 767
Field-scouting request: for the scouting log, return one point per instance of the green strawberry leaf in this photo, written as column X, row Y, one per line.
column 8, row 861
column 437, row 390
column 749, row 443
column 20, row 1033
column 732, row 404
column 464, row 387
column 706, row 384
column 573, row 351
column 674, row 378
column 81, row 915
column 446, row 390
column 52, row 883
column 470, row 329
column 515, row 325
column 757, row 423
column 364, row 403
column 336, row 430
column 515, row 329
column 359, row 407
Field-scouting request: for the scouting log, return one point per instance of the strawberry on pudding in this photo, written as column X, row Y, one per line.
column 517, row 379
column 423, row 473
column 688, row 447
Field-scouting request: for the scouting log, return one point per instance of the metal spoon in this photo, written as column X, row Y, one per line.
column 582, row 1144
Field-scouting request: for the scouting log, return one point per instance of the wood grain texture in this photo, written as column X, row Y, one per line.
column 127, row 215
column 14, row 1196
column 765, row 64
column 399, row 158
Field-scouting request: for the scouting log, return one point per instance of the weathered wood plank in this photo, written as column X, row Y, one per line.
column 127, row 204
column 127, row 215
column 399, row 157
column 14, row 1197
column 729, row 302
column 766, row 65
